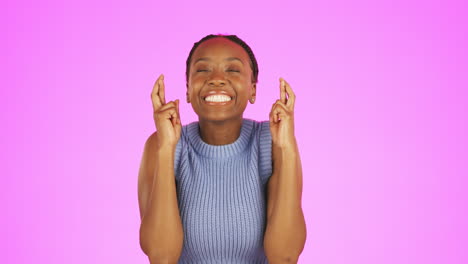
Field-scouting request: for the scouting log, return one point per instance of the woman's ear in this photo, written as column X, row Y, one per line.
column 187, row 94
column 253, row 93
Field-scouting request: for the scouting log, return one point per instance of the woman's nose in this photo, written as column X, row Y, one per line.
column 217, row 79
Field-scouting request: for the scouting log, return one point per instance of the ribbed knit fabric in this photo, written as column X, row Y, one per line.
column 222, row 195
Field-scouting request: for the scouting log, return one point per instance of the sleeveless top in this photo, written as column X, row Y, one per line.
column 221, row 193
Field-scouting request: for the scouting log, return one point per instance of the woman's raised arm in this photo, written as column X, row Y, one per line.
column 161, row 231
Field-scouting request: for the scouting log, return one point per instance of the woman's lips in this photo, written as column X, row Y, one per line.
column 217, row 97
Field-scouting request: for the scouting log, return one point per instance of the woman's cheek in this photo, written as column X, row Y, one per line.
column 198, row 81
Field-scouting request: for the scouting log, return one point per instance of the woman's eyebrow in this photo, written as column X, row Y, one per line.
column 234, row 58
column 201, row 59
column 227, row 59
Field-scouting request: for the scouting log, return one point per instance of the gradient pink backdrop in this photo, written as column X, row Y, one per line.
column 380, row 117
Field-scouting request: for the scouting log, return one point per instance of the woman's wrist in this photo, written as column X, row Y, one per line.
column 290, row 147
column 166, row 148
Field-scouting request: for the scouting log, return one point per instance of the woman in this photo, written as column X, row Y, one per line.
column 224, row 189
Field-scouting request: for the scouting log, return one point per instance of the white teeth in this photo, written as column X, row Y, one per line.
column 217, row 98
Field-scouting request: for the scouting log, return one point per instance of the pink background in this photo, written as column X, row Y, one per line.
column 380, row 117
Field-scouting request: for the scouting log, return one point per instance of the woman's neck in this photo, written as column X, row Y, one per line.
column 220, row 132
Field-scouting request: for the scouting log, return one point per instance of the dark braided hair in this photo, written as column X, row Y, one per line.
column 233, row 38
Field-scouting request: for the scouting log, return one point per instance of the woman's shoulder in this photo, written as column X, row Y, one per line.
column 258, row 127
column 189, row 129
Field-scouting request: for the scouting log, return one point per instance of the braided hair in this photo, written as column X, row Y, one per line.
column 233, row 38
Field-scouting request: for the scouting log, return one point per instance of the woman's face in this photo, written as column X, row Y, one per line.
column 220, row 80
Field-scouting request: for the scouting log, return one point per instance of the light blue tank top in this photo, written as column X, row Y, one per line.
column 222, row 195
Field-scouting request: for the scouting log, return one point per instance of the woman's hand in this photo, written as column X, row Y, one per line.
column 166, row 116
column 282, row 117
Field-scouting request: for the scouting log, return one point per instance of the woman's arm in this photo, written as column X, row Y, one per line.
column 161, row 232
column 285, row 233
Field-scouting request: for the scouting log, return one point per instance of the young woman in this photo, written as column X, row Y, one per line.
column 224, row 189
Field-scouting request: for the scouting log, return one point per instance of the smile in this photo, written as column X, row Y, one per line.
column 218, row 98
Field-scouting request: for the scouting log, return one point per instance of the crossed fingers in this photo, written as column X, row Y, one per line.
column 158, row 94
column 283, row 108
column 287, row 96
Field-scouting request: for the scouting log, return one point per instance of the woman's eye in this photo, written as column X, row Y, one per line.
column 202, row 70
column 233, row 70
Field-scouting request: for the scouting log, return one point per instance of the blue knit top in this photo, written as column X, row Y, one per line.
column 221, row 194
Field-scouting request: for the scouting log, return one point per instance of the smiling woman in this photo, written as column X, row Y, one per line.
column 224, row 189
column 220, row 68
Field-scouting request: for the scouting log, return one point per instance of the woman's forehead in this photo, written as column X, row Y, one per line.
column 220, row 48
